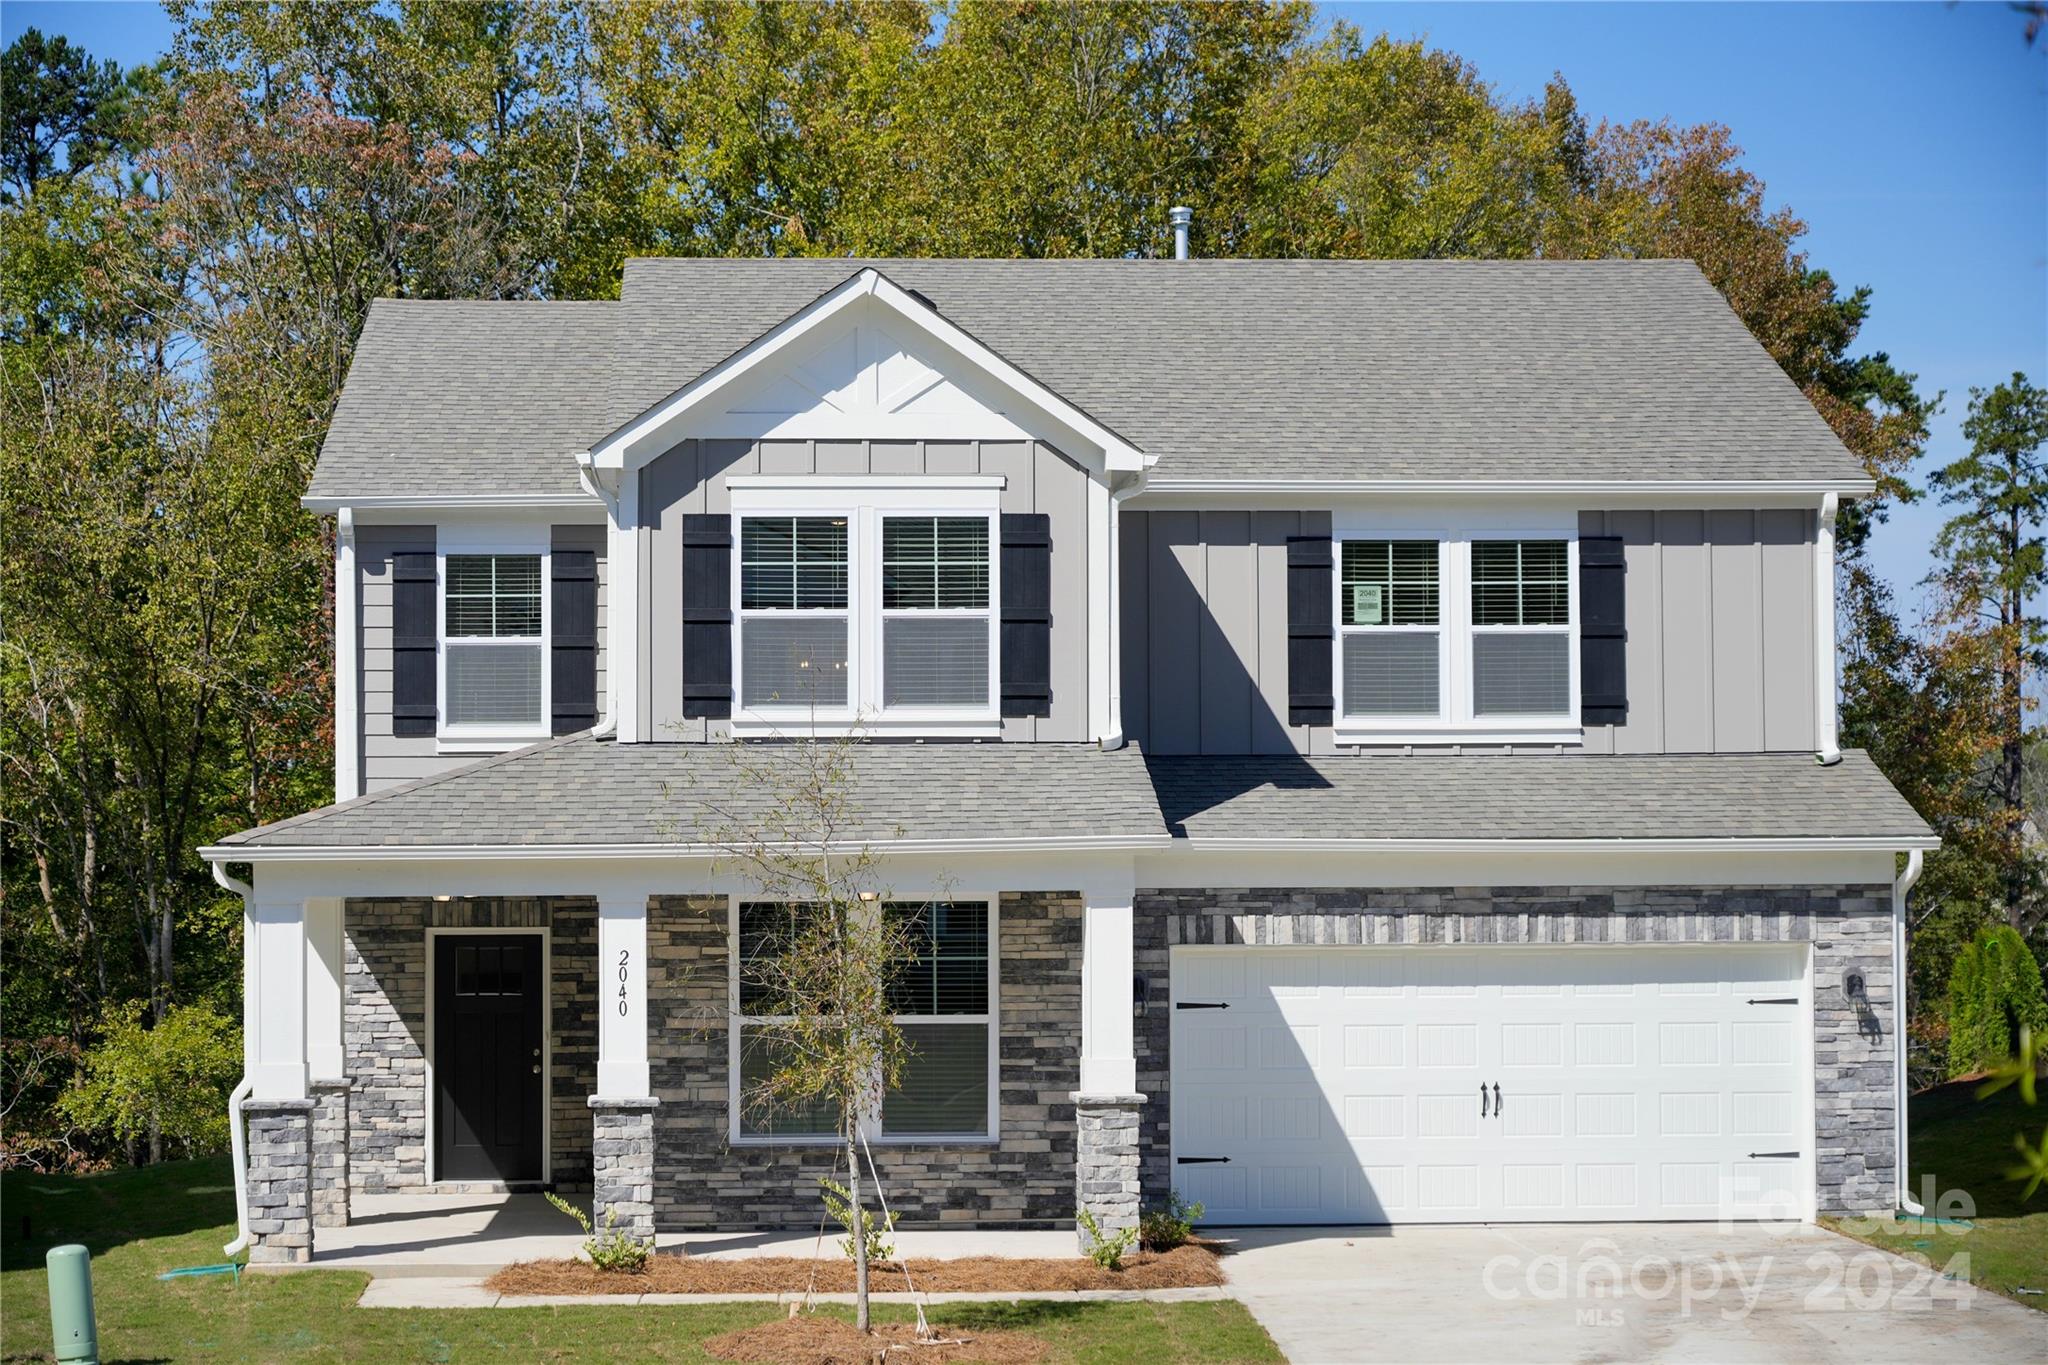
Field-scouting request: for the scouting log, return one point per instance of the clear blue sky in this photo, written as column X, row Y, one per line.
column 1913, row 138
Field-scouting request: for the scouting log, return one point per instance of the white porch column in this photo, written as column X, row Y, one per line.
column 1108, row 1039
column 326, row 979
column 274, row 957
column 622, row 1071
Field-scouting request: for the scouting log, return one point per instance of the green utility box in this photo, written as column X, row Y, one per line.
column 71, row 1321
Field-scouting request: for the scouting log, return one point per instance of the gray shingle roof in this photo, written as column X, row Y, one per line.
column 1533, row 796
column 1223, row 369
column 581, row 790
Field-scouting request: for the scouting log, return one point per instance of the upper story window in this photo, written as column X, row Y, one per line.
column 493, row 645
column 1457, row 636
column 867, row 604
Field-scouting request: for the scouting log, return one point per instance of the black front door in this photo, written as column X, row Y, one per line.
column 487, row 1055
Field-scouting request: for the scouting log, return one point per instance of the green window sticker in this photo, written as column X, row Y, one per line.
column 1368, row 604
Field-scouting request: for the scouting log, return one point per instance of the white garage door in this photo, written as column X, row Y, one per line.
column 1415, row 1085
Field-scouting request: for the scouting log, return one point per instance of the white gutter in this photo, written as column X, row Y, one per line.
column 348, row 674
column 1490, row 487
column 1826, row 742
column 439, row 502
column 238, row 1143
column 416, row 853
column 1117, row 498
column 1791, row 844
column 1915, row 862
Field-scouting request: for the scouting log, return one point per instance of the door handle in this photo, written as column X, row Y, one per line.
column 536, row 1071
column 1496, row 1099
column 1482, row 1099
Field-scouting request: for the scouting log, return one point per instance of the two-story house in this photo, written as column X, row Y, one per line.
column 1362, row 734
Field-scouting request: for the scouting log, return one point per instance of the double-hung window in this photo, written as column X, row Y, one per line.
column 867, row 602
column 794, row 624
column 1456, row 637
column 935, row 612
column 944, row 1000
column 493, row 645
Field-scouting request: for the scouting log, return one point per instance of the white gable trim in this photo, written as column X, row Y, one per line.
column 1078, row 434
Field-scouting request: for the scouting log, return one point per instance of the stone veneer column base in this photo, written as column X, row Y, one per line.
column 329, row 1197
column 1106, row 1160
column 622, row 1165
column 280, row 1181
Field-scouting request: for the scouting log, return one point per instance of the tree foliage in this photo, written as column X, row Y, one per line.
column 162, row 1081
column 1994, row 996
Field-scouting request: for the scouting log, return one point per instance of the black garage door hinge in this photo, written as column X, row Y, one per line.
column 1778, row 1000
column 1201, row 1160
column 1783, row 1154
column 1200, row 1005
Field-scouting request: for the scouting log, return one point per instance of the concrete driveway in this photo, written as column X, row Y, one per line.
column 1529, row 1295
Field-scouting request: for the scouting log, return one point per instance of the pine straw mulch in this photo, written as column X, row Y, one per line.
column 1193, row 1264
column 834, row 1341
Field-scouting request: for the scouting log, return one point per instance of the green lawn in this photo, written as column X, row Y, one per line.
column 138, row 1223
column 1966, row 1144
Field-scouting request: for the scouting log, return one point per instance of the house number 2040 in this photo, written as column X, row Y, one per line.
column 625, row 957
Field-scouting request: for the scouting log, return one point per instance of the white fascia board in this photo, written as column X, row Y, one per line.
column 639, row 440
column 1798, row 844
column 402, row 853
column 439, row 502
column 1254, row 493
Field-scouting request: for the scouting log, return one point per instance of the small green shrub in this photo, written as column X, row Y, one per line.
column 1994, row 993
column 881, row 1237
column 610, row 1249
column 171, row 1079
column 1106, row 1249
column 1166, row 1226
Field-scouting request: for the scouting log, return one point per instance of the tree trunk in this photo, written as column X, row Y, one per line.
column 860, row 1240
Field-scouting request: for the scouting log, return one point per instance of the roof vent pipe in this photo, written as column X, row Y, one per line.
column 1180, row 215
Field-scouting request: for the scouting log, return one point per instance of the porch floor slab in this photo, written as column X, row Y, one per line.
column 471, row 1236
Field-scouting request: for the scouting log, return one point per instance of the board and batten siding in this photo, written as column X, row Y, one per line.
column 388, row 759
column 1720, row 631
column 690, row 479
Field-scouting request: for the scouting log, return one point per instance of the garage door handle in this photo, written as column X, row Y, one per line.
column 1200, row 1005
column 1482, row 1099
column 1497, row 1110
column 1778, row 1000
column 1201, row 1160
column 1779, row 1154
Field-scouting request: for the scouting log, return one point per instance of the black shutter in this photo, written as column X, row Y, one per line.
column 415, row 642
column 1311, row 597
column 1027, row 614
column 707, row 617
column 1603, row 631
column 572, row 639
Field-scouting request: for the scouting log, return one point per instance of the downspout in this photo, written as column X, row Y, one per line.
column 587, row 476
column 1826, row 741
column 1117, row 497
column 238, row 1142
column 1915, row 862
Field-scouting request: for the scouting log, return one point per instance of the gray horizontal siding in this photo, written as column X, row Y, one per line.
column 387, row 759
column 1720, row 625
column 691, row 479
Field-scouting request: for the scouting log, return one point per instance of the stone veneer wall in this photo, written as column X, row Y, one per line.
column 1848, row 926
column 384, row 1029
column 280, row 1147
column 702, row 1181
column 329, row 1155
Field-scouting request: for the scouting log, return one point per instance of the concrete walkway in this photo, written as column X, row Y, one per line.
column 471, row 1236
column 1637, row 1293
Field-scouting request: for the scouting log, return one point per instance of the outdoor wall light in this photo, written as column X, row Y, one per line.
column 1137, row 995
column 869, row 897
column 1852, row 985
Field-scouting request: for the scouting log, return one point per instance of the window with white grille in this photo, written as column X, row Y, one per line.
column 493, row 644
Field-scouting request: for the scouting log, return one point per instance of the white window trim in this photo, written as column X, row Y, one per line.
column 1455, row 722
column 470, row 739
column 871, row 1123
column 865, row 502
